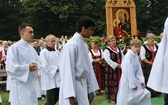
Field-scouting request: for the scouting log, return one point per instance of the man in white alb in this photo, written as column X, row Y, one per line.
column 50, row 73
column 76, row 71
column 22, row 64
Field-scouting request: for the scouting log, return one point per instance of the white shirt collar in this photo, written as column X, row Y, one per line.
column 24, row 42
column 78, row 37
column 131, row 52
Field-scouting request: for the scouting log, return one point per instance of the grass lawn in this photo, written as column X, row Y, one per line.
column 155, row 101
column 99, row 100
column 4, row 95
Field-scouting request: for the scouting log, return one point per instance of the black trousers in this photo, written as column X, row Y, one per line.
column 166, row 99
column 52, row 96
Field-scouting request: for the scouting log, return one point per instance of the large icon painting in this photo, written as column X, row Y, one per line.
column 121, row 22
column 121, row 18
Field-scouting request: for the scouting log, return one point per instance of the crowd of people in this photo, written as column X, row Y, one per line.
column 71, row 72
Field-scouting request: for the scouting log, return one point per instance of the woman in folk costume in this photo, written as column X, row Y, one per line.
column 113, row 56
column 2, row 56
column 147, row 55
column 132, row 89
column 158, row 76
column 96, row 55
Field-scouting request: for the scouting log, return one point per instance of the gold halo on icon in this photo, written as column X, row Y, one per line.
column 122, row 12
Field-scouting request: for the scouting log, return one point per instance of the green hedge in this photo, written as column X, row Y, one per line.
column 123, row 42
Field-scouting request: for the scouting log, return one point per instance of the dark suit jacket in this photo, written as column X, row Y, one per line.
column 37, row 48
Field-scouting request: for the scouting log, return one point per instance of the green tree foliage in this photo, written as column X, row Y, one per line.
column 10, row 18
column 59, row 16
column 151, row 15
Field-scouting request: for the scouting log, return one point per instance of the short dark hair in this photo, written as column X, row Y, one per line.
column 23, row 26
column 85, row 21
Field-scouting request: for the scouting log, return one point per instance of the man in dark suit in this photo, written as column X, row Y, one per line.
column 36, row 47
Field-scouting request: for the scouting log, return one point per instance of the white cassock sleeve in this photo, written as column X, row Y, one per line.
column 48, row 69
column 158, row 75
column 139, row 74
column 128, row 72
column 67, row 71
column 20, row 72
column 92, row 84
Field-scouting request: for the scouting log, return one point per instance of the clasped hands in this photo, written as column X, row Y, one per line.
column 100, row 60
column 33, row 66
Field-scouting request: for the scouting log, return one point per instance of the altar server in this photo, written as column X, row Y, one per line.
column 22, row 64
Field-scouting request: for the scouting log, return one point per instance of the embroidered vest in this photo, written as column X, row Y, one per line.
column 113, row 55
column 148, row 53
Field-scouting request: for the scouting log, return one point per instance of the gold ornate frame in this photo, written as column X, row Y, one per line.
column 112, row 6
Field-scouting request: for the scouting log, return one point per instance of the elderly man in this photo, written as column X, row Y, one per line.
column 50, row 72
column 158, row 76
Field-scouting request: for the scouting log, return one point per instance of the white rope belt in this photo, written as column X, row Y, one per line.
column 81, row 80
